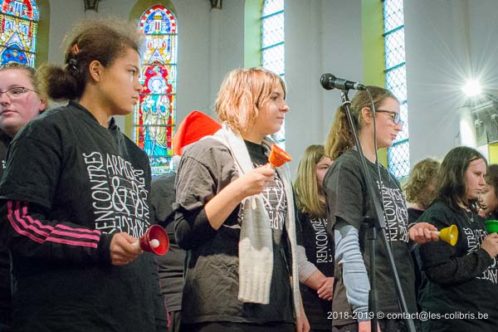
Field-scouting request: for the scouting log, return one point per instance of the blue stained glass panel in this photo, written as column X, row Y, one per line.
column 154, row 118
column 18, row 30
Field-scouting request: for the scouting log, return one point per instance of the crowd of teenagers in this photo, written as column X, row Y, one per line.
column 250, row 250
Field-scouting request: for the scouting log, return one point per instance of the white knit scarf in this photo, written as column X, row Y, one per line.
column 256, row 241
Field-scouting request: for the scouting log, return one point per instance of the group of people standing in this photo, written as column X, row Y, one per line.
column 260, row 253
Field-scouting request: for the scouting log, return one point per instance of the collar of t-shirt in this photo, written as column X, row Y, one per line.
column 257, row 152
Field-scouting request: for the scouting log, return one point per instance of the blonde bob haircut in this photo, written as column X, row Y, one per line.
column 310, row 198
column 243, row 93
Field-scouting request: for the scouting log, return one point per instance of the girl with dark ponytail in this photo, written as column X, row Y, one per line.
column 75, row 197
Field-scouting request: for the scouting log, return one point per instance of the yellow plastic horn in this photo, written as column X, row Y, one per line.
column 449, row 235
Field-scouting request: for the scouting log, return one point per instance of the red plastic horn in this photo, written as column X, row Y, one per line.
column 155, row 240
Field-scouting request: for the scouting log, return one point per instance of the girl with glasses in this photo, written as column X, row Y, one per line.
column 19, row 103
column 350, row 205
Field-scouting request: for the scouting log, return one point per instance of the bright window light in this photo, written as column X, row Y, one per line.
column 472, row 88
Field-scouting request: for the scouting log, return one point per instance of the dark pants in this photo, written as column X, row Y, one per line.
column 386, row 325
column 238, row 327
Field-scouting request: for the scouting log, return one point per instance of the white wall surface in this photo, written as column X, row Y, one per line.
column 447, row 41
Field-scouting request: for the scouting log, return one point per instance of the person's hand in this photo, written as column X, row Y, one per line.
column 483, row 207
column 366, row 326
column 423, row 232
column 302, row 324
column 124, row 249
column 254, row 181
column 490, row 244
column 326, row 289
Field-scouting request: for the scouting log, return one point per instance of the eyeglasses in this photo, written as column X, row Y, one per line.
column 15, row 92
column 395, row 116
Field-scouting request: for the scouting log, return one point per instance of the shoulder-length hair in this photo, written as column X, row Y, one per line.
column 423, row 174
column 308, row 193
column 452, row 187
column 243, row 93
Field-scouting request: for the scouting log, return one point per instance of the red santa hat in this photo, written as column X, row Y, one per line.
column 195, row 126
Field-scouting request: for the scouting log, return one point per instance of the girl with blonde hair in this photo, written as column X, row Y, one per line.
column 20, row 102
column 235, row 216
column 317, row 240
column 420, row 188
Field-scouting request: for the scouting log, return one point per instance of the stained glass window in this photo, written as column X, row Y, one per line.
column 398, row 156
column 272, row 45
column 18, row 28
column 154, row 118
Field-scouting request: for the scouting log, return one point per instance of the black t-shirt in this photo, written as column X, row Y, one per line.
column 4, row 145
column 319, row 247
column 414, row 215
column 461, row 279
column 348, row 200
column 5, row 292
column 274, row 193
column 170, row 266
column 69, row 184
column 211, row 285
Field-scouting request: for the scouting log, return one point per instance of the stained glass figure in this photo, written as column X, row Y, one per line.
column 154, row 119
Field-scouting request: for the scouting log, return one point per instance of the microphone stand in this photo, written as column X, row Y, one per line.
column 378, row 223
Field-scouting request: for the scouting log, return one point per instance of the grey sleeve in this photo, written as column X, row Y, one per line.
column 205, row 169
column 355, row 275
column 305, row 267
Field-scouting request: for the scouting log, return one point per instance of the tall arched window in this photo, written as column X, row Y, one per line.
column 18, row 29
column 154, row 118
column 398, row 156
column 273, row 45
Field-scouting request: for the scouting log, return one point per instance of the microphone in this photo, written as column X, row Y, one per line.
column 330, row 82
